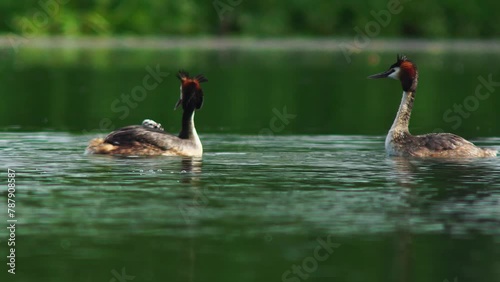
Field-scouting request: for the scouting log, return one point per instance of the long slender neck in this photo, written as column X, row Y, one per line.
column 188, row 131
column 402, row 120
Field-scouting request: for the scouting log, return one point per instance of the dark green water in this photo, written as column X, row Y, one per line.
column 250, row 210
column 87, row 90
column 319, row 201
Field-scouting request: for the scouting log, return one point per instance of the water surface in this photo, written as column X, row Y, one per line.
column 252, row 208
column 294, row 184
column 85, row 91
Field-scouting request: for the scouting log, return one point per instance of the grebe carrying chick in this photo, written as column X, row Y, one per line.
column 400, row 142
column 150, row 138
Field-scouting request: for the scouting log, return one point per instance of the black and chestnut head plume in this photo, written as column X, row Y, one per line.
column 191, row 92
column 403, row 70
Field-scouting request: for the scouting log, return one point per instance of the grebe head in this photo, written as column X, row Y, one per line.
column 403, row 70
column 191, row 92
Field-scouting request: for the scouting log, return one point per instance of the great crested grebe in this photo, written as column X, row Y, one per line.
column 150, row 139
column 399, row 141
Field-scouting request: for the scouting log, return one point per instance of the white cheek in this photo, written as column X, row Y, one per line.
column 395, row 74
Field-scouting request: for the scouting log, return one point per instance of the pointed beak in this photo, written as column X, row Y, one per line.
column 178, row 104
column 382, row 74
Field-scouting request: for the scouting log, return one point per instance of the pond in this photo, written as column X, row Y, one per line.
column 310, row 197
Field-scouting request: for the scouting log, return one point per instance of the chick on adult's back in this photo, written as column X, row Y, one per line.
column 152, row 140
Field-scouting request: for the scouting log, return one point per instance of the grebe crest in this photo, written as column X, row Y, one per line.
column 399, row 141
column 403, row 70
column 191, row 92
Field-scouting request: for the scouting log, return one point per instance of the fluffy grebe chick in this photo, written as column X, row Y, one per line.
column 150, row 139
column 151, row 123
column 399, row 141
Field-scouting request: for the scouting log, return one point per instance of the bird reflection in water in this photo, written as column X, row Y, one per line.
column 190, row 169
column 426, row 188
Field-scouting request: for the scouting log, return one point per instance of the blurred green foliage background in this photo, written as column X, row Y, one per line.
column 422, row 19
